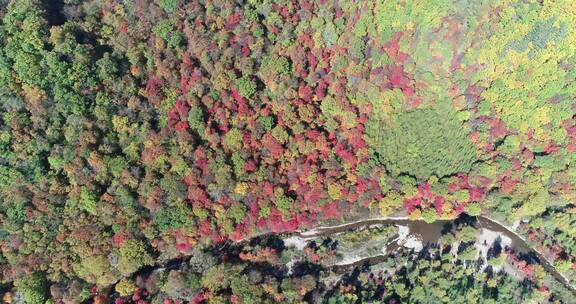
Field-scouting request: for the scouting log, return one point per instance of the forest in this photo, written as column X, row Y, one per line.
column 149, row 146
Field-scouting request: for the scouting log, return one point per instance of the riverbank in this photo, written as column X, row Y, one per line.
column 429, row 233
column 484, row 221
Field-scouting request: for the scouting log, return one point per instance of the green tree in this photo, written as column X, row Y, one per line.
column 125, row 287
column 219, row 277
column 473, row 209
column 34, row 288
column 169, row 5
column 96, row 269
column 87, row 201
column 429, row 215
column 249, row 293
column 267, row 122
column 246, row 86
column 196, row 120
column 274, row 64
column 173, row 217
column 133, row 255
column 233, row 139
column 237, row 212
column 26, row 30
column 283, row 202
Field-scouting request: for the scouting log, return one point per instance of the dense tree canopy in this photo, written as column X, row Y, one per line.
column 133, row 132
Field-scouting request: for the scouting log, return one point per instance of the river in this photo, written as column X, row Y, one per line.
column 416, row 231
column 429, row 233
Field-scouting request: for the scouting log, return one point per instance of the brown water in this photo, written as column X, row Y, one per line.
column 418, row 228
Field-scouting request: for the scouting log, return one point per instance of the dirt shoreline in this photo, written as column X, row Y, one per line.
column 518, row 240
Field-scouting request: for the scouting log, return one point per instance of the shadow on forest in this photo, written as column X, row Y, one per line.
column 54, row 12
